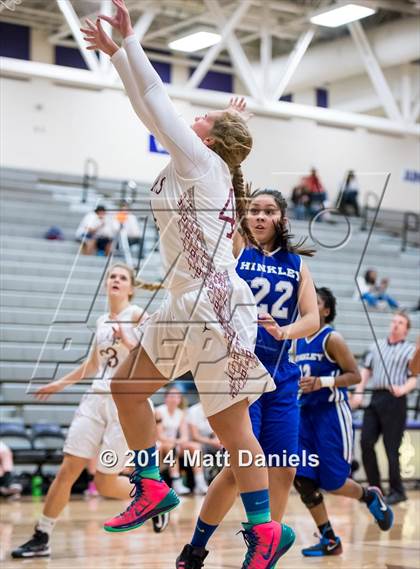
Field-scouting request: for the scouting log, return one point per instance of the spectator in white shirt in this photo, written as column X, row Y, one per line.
column 200, row 429
column 173, row 435
column 96, row 232
column 125, row 220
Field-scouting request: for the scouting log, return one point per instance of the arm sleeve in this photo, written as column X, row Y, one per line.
column 120, row 62
column 191, row 157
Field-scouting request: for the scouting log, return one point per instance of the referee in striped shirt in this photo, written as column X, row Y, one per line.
column 386, row 370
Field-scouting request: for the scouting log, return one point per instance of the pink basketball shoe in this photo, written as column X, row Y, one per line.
column 266, row 544
column 151, row 497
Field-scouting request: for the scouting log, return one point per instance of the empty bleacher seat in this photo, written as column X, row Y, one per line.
column 14, row 435
column 19, row 392
column 47, row 436
column 61, row 414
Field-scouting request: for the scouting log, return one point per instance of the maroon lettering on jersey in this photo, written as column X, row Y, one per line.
column 227, row 218
column 157, row 187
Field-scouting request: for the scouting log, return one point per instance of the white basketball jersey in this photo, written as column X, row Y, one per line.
column 112, row 352
column 196, row 220
column 170, row 422
column 197, row 418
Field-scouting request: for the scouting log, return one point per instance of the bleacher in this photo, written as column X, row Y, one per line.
column 50, row 298
column 51, row 295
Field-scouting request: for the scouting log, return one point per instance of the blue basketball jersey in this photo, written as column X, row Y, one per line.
column 313, row 360
column 274, row 280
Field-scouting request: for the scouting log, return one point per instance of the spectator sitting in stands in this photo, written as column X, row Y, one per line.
column 202, row 434
column 347, row 198
column 8, row 487
column 316, row 191
column 314, row 186
column 301, row 202
column 372, row 293
column 126, row 220
column 200, row 429
column 96, row 232
column 173, row 437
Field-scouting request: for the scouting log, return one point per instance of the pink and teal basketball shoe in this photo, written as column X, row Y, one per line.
column 266, row 544
column 151, row 497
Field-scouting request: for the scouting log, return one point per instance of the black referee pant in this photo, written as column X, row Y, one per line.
column 386, row 415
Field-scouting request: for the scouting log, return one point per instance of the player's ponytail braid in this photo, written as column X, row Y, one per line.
column 284, row 238
column 135, row 282
column 242, row 194
column 233, row 143
column 139, row 283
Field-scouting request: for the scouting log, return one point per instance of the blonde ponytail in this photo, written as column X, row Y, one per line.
column 139, row 283
column 135, row 282
column 233, row 143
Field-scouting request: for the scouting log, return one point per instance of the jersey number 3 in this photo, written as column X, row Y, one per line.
column 231, row 220
column 112, row 356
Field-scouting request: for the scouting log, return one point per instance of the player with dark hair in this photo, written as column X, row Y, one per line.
column 328, row 368
column 286, row 300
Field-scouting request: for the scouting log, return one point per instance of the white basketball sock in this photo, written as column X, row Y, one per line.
column 199, row 478
column 46, row 524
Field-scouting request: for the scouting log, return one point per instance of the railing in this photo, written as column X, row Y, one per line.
column 370, row 198
column 128, row 194
column 90, row 176
column 141, row 246
column 122, row 239
column 408, row 226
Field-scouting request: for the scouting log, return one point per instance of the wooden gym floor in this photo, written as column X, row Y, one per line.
column 80, row 542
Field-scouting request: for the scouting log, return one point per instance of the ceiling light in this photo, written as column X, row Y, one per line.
column 343, row 15
column 195, row 41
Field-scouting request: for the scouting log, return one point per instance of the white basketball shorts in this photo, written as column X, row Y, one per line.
column 210, row 331
column 94, row 429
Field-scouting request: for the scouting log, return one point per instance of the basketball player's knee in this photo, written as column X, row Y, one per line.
column 230, row 438
column 123, row 398
column 68, row 472
column 230, row 479
column 309, row 491
column 337, row 490
column 282, row 475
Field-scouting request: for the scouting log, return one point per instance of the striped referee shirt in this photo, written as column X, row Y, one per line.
column 389, row 363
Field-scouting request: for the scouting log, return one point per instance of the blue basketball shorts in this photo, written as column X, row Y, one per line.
column 326, row 430
column 275, row 415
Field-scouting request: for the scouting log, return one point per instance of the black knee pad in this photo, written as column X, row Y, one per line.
column 308, row 491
